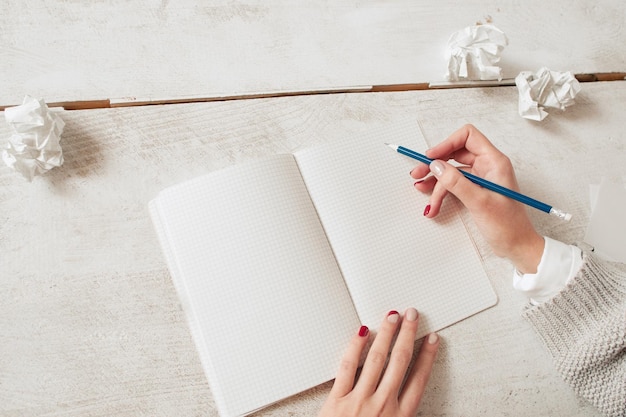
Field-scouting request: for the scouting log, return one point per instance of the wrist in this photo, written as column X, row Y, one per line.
column 527, row 254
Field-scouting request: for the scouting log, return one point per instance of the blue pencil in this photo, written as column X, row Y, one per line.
column 490, row 185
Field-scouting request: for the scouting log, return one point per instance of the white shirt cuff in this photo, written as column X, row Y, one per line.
column 559, row 264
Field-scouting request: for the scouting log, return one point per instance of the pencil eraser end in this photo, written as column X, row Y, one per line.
column 560, row 214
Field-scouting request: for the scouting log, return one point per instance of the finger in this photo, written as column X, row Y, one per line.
column 463, row 146
column 420, row 171
column 467, row 137
column 452, row 180
column 463, row 156
column 426, row 184
column 418, row 376
column 377, row 356
column 349, row 364
column 435, row 202
column 401, row 355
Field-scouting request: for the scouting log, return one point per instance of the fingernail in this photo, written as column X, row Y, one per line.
column 427, row 210
column 432, row 338
column 436, row 167
column 393, row 316
column 364, row 331
column 411, row 314
column 417, row 182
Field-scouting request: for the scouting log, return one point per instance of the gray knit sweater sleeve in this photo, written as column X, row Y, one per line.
column 584, row 328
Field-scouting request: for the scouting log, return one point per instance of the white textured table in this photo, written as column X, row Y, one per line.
column 89, row 320
column 119, row 52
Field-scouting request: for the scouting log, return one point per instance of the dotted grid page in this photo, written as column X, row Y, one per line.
column 267, row 306
column 390, row 255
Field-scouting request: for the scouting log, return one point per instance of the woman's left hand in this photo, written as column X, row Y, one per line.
column 379, row 391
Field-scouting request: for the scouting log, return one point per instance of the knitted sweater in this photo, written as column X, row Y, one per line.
column 584, row 328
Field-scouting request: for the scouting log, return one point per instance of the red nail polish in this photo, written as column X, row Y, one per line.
column 393, row 316
column 427, row 210
column 364, row 331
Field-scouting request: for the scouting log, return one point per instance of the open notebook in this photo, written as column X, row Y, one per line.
column 277, row 262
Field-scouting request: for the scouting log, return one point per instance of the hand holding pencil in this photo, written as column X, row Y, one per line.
column 502, row 221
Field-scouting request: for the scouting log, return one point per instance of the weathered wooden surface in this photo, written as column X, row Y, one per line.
column 89, row 318
column 154, row 50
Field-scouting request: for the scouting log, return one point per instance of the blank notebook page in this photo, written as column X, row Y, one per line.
column 391, row 256
column 265, row 300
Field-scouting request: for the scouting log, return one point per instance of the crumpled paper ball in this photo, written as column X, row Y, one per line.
column 34, row 147
column 545, row 89
column 473, row 52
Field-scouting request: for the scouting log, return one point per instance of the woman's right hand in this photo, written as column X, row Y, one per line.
column 502, row 221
